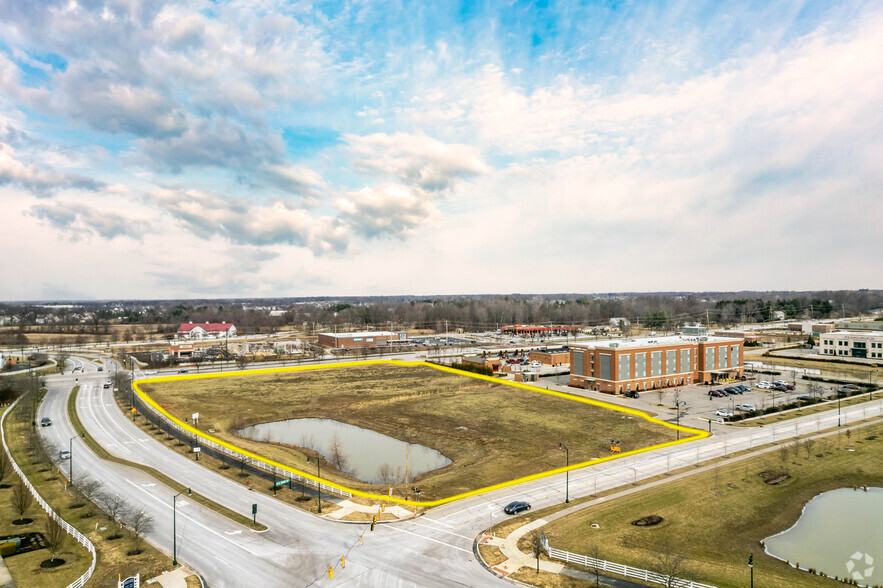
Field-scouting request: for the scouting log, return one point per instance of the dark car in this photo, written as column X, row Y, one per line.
column 804, row 397
column 780, row 388
column 732, row 390
column 743, row 388
column 632, row 394
column 182, row 371
column 45, row 422
column 716, row 393
column 516, row 507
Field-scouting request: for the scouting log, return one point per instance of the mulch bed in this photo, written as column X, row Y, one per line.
column 648, row 521
column 774, row 478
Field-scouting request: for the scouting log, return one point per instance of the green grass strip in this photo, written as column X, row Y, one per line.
column 164, row 479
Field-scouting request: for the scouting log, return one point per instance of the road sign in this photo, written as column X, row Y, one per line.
column 196, row 450
column 195, row 416
column 285, row 481
column 254, row 509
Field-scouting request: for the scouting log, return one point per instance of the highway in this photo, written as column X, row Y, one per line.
column 432, row 550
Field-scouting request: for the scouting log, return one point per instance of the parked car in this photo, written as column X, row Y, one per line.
column 733, row 390
column 632, row 394
column 851, row 387
column 745, row 407
column 764, row 384
column 782, row 382
column 779, row 388
column 804, row 397
column 790, row 386
column 46, row 422
column 744, row 388
column 715, row 393
column 64, row 454
column 516, row 507
column 724, row 413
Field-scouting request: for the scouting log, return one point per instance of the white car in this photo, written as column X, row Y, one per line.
column 764, row 385
column 724, row 413
column 745, row 407
column 64, row 454
column 781, row 382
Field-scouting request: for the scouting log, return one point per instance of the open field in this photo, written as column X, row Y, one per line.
column 865, row 373
column 81, row 513
column 717, row 518
column 492, row 432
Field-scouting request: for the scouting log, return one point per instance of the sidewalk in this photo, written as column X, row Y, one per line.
column 173, row 579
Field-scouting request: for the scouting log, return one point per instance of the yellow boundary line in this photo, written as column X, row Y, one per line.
column 696, row 433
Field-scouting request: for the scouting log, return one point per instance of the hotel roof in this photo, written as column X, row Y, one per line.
column 639, row 342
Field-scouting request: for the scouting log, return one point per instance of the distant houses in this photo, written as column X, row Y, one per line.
column 193, row 330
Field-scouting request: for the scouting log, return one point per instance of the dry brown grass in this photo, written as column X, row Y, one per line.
column 509, row 432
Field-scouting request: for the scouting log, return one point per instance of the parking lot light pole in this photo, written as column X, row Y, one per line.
column 175, row 525
column 838, row 409
column 566, row 473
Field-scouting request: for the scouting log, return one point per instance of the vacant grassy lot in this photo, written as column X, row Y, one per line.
column 490, row 431
column 718, row 518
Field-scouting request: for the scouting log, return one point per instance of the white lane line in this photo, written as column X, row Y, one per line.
column 428, row 538
column 437, row 522
column 111, row 419
column 442, row 531
column 111, row 439
column 212, row 531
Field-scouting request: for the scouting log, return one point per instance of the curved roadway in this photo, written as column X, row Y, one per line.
column 433, row 550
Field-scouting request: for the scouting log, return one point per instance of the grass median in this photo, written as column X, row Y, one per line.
column 716, row 518
column 159, row 476
column 491, row 432
column 113, row 554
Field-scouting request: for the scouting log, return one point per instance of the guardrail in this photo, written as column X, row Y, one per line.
column 79, row 537
column 224, row 452
column 602, row 565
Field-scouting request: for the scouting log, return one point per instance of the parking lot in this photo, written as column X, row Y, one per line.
column 698, row 407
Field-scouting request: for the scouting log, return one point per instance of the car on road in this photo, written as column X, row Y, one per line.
column 183, row 371
column 723, row 413
column 46, row 422
column 516, row 507
column 64, row 454
column 745, row 407
column 716, row 393
column 106, row 385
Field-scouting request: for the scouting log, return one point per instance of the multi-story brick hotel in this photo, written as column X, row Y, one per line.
column 619, row 366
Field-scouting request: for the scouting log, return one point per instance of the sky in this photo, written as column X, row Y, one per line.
column 153, row 149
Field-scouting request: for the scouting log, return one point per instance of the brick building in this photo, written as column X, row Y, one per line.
column 553, row 357
column 618, row 366
column 363, row 339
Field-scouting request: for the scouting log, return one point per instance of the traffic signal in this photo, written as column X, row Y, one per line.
column 751, row 560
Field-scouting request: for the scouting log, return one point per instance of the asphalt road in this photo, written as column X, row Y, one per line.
column 433, row 550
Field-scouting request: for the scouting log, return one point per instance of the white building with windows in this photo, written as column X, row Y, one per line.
column 863, row 345
column 206, row 330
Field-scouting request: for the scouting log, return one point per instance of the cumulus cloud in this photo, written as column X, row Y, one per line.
column 41, row 182
column 391, row 210
column 241, row 221
column 79, row 220
column 417, row 159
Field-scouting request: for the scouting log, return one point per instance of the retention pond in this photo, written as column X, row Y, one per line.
column 364, row 454
column 839, row 533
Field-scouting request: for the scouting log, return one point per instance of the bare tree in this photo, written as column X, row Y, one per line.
column 338, row 457
column 808, row 445
column 242, row 361
column 116, row 508
column 21, row 500
column 537, row 547
column 596, row 568
column 88, row 488
column 784, row 455
column 197, row 359
column 61, row 357
column 670, row 563
column 139, row 522
column 56, row 537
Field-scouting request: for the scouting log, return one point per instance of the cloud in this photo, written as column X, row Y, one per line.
column 417, row 159
column 39, row 181
column 386, row 210
column 295, row 179
column 217, row 143
column 241, row 221
column 80, row 220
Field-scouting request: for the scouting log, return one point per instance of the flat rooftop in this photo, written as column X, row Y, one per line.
column 855, row 333
column 651, row 342
column 365, row 334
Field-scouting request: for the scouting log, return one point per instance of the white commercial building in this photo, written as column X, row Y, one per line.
column 865, row 345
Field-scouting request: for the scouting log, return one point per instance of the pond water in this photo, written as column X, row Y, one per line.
column 366, row 455
column 839, row 533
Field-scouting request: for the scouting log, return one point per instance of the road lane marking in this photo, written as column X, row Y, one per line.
column 442, row 531
column 427, row 538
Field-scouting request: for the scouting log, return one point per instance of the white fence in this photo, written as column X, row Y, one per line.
column 79, row 537
column 217, row 448
column 603, row 565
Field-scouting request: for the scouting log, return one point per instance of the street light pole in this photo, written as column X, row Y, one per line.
column 566, row 473
column 70, row 467
column 175, row 525
column 318, row 482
